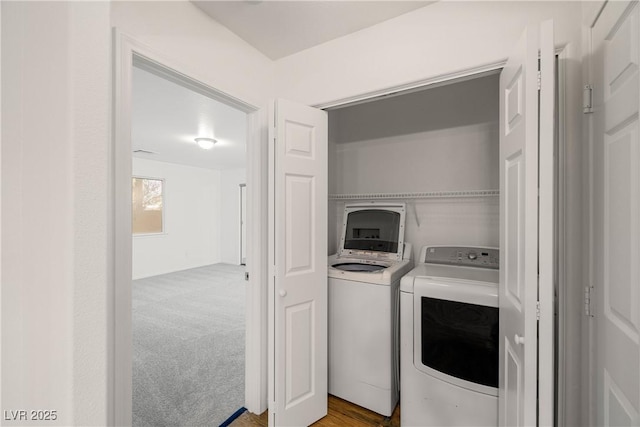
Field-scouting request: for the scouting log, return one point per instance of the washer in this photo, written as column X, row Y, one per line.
column 364, row 279
column 449, row 338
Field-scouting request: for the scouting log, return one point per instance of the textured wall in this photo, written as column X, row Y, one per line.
column 192, row 217
column 55, row 134
column 441, row 38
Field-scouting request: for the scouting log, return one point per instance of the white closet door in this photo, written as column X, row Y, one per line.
column 298, row 292
column 520, row 119
column 616, row 213
column 546, row 227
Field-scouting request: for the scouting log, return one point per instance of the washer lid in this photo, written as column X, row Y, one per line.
column 357, row 266
column 373, row 230
column 391, row 273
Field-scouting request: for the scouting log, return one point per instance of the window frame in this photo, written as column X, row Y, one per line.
column 164, row 207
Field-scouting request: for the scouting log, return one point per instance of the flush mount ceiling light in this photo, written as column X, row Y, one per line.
column 205, row 143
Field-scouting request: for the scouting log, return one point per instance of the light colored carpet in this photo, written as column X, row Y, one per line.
column 188, row 346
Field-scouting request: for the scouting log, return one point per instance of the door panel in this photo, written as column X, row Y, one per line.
column 616, row 213
column 298, row 291
column 514, row 211
column 514, row 289
column 526, row 230
column 518, row 232
column 513, row 385
column 299, row 211
column 300, row 351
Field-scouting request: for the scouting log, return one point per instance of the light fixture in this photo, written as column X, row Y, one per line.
column 205, row 143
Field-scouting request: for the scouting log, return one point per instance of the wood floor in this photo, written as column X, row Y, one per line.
column 341, row 413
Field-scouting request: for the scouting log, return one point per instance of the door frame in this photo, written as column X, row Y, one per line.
column 568, row 99
column 243, row 188
column 128, row 51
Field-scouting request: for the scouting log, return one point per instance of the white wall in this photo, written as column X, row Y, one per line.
column 230, row 181
column 192, row 217
column 442, row 38
column 442, row 139
column 202, row 219
column 57, row 290
column 460, row 158
column 36, row 280
column 55, row 136
column 438, row 139
column 210, row 51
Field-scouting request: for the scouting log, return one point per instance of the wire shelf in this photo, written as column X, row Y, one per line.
column 413, row 196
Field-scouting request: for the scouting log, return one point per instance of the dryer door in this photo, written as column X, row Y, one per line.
column 456, row 341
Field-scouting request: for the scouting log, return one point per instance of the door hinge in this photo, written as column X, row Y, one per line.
column 588, row 301
column 587, row 99
column 539, row 80
column 537, row 310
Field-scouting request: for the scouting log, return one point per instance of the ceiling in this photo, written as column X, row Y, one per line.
column 281, row 28
column 168, row 117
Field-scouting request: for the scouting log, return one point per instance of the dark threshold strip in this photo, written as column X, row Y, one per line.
column 233, row 417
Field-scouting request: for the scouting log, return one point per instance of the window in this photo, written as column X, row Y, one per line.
column 147, row 205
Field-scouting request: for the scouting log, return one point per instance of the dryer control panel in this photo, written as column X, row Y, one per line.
column 463, row 256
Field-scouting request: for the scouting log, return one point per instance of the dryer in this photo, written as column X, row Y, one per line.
column 449, row 338
column 364, row 279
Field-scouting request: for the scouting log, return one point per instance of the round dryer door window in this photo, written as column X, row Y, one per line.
column 356, row 266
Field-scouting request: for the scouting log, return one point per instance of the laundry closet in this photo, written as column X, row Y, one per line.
column 436, row 149
column 405, row 171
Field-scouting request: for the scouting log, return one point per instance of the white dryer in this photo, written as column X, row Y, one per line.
column 449, row 338
column 364, row 279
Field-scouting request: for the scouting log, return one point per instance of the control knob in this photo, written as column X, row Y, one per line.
column 472, row 255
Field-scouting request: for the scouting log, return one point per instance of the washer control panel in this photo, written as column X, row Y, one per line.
column 463, row 256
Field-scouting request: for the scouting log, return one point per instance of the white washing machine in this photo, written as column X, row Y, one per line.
column 364, row 279
column 449, row 338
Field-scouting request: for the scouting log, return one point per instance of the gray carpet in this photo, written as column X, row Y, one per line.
column 188, row 346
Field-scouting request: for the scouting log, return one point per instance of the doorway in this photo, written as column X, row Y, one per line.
column 131, row 58
column 188, row 292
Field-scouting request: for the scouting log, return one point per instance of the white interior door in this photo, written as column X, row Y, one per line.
column 298, row 249
column 616, row 213
column 243, row 224
column 520, row 140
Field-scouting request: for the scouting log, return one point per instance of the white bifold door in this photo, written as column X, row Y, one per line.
column 615, row 266
column 298, row 262
column 527, row 121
